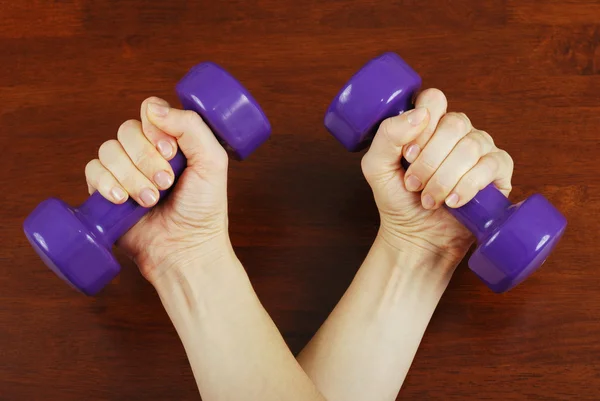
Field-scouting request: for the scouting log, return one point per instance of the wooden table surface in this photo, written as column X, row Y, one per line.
column 302, row 216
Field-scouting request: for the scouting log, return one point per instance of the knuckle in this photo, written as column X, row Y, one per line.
column 466, row 119
column 98, row 177
column 366, row 165
column 220, row 160
column 191, row 118
column 471, row 182
column 133, row 182
column 443, row 182
column 142, row 158
column 89, row 167
column 385, row 128
column 508, row 158
column 92, row 173
column 493, row 162
column 396, row 130
column 425, row 164
column 127, row 130
column 485, row 141
column 104, row 182
column 433, row 95
column 455, row 121
column 107, row 150
column 154, row 99
column 437, row 188
column 371, row 170
column 487, row 137
column 216, row 161
column 471, row 146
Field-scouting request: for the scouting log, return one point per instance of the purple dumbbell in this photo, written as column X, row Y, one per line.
column 76, row 243
column 513, row 240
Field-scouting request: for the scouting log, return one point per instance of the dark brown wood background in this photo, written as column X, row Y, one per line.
column 302, row 216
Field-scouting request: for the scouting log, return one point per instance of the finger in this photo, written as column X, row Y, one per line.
column 495, row 167
column 462, row 158
column 451, row 129
column 196, row 140
column 393, row 133
column 164, row 143
column 144, row 155
column 435, row 101
column 99, row 179
column 114, row 158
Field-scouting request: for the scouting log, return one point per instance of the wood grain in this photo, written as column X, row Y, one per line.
column 56, row 18
column 302, row 216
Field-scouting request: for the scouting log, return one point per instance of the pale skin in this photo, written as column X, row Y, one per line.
column 365, row 348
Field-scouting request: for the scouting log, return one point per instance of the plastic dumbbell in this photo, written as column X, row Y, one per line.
column 76, row 243
column 513, row 240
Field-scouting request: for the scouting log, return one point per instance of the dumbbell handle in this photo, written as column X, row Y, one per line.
column 113, row 220
column 483, row 212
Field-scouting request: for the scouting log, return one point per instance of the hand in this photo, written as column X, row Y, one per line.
column 193, row 219
column 450, row 162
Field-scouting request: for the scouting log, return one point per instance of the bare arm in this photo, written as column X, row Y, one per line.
column 366, row 346
column 234, row 348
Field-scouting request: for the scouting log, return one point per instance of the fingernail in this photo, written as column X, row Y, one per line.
column 163, row 179
column 412, row 183
column 165, row 148
column 452, row 200
column 158, row 109
column 412, row 152
column 118, row 194
column 416, row 116
column 147, row 196
column 428, row 201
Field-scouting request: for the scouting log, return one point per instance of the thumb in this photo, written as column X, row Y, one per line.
column 395, row 132
column 196, row 141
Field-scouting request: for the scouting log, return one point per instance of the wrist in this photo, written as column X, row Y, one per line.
column 198, row 278
column 447, row 248
column 183, row 258
column 399, row 281
column 416, row 260
column 201, row 291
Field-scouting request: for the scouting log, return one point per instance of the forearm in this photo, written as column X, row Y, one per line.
column 365, row 348
column 234, row 348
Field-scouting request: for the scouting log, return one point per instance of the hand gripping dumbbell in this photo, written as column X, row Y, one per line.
column 513, row 240
column 76, row 243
